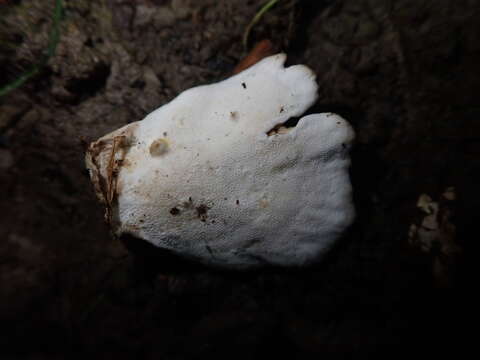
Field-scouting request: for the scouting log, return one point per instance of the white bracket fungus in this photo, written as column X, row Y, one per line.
column 216, row 176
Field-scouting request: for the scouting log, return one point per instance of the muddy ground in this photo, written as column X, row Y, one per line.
column 404, row 73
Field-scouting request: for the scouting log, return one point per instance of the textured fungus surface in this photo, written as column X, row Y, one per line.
column 215, row 176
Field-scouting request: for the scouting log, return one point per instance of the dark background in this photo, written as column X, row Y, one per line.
column 404, row 73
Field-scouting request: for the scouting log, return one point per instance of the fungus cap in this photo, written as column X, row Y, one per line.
column 215, row 177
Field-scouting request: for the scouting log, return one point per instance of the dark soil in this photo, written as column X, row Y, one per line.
column 404, row 73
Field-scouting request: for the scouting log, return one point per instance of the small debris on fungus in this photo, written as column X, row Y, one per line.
column 202, row 212
column 174, row 211
column 158, row 147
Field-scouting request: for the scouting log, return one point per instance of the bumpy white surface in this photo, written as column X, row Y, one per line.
column 216, row 188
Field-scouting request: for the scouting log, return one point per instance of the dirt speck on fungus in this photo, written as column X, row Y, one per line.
column 175, row 211
column 202, row 211
column 158, row 147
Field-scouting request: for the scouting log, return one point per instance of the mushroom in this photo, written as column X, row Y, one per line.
column 218, row 176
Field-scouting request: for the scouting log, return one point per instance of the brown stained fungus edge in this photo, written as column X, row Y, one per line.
column 104, row 174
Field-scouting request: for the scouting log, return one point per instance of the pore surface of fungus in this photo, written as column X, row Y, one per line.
column 217, row 176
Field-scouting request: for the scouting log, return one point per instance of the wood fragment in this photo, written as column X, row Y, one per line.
column 261, row 50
